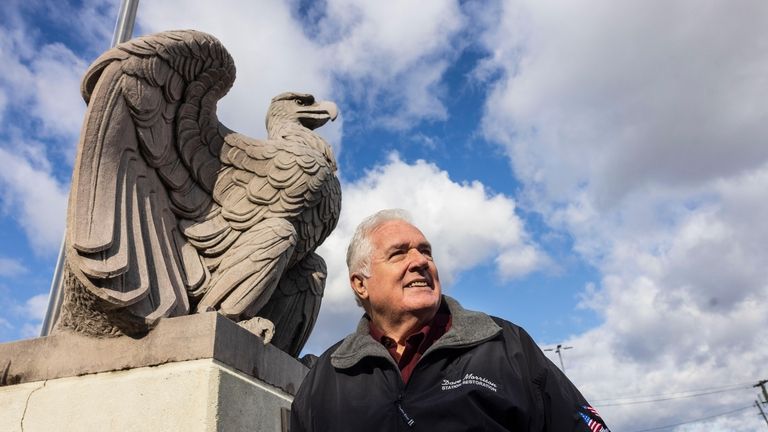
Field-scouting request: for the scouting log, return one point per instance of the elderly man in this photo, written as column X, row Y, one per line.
column 419, row 361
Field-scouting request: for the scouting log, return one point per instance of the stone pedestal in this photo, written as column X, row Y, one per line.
column 195, row 373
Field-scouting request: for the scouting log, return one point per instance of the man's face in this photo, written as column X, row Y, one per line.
column 403, row 278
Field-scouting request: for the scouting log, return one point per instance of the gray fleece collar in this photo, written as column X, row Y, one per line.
column 468, row 328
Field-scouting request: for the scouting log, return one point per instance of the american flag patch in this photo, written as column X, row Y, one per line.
column 593, row 420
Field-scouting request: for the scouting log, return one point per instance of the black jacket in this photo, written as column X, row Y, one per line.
column 484, row 374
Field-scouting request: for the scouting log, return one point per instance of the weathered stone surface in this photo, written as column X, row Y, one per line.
column 200, row 336
column 172, row 213
column 191, row 396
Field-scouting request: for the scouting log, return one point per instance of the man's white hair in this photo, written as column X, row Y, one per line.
column 360, row 248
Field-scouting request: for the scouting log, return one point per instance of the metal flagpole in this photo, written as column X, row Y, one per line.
column 126, row 18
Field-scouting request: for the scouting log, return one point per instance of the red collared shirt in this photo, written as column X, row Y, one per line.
column 415, row 344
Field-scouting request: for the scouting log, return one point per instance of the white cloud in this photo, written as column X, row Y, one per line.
column 3, row 104
column 31, row 330
column 56, row 72
column 520, row 261
column 36, row 200
column 662, row 100
column 393, row 54
column 385, row 39
column 35, row 307
column 43, row 82
column 11, row 267
column 93, row 21
column 27, row 316
column 455, row 216
column 389, row 56
column 271, row 52
column 16, row 79
column 40, row 94
column 639, row 131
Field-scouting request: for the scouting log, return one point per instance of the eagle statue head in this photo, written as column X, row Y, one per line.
column 299, row 109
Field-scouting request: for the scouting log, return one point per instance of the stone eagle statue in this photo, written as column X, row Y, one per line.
column 171, row 213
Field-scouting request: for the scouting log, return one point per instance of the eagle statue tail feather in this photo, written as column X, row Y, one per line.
column 295, row 304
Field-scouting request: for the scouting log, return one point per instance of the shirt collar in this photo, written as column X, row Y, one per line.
column 467, row 328
column 429, row 332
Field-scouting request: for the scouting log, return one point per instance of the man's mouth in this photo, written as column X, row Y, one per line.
column 417, row 284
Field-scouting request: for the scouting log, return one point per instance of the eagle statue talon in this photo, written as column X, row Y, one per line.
column 259, row 326
column 171, row 212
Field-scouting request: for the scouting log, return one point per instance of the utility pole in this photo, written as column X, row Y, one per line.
column 558, row 350
column 123, row 31
column 757, row 404
column 761, row 384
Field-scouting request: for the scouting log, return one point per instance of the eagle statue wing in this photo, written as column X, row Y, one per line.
column 148, row 155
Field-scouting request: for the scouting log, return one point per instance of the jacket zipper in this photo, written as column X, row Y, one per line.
column 399, row 401
column 399, row 405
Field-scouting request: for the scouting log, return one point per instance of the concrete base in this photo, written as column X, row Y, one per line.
column 197, row 395
column 241, row 385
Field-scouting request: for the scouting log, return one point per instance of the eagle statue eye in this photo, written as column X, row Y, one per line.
column 299, row 102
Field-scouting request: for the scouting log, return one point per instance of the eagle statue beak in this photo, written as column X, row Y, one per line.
column 330, row 108
column 317, row 114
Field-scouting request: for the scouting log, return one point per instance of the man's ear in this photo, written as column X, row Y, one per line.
column 357, row 282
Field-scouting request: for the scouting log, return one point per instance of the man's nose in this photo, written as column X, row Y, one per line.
column 417, row 260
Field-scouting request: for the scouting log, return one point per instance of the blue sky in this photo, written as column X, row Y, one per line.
column 594, row 171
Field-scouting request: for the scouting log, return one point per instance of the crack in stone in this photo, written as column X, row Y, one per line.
column 26, row 404
column 4, row 376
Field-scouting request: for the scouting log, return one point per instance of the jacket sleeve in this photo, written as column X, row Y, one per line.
column 296, row 424
column 565, row 409
column 300, row 406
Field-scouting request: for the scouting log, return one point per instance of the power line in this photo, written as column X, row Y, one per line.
column 696, row 420
column 660, row 399
column 682, row 392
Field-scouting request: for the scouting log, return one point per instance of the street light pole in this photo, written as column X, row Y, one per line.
column 126, row 18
